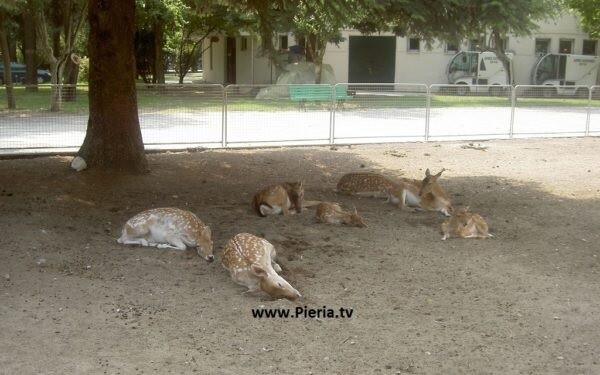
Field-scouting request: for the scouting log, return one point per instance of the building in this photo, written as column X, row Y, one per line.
column 387, row 58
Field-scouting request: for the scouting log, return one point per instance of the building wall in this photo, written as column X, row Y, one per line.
column 427, row 66
column 251, row 68
column 213, row 60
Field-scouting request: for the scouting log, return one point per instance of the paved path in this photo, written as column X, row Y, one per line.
column 20, row 133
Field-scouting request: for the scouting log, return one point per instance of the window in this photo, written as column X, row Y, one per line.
column 589, row 47
column 283, row 42
column 451, row 47
column 542, row 47
column 244, row 43
column 413, row 45
column 565, row 46
column 482, row 66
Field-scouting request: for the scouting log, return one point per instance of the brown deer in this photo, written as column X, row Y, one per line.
column 279, row 199
column 465, row 224
column 332, row 213
column 433, row 197
column 168, row 228
column 250, row 261
column 363, row 184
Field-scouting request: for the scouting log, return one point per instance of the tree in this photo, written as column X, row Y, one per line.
column 113, row 139
column 29, row 45
column 69, row 15
column 198, row 22
column 320, row 23
column 455, row 20
column 4, row 50
column 316, row 22
column 589, row 15
column 153, row 17
column 500, row 18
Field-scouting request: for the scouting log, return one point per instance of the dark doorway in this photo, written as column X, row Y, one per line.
column 372, row 59
column 230, row 63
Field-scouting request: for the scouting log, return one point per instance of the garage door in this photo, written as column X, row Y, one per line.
column 372, row 59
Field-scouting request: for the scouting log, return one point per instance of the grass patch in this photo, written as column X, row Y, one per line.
column 197, row 98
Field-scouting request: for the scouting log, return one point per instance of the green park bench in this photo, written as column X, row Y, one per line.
column 318, row 93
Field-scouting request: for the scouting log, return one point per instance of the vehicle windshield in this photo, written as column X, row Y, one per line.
column 464, row 62
column 550, row 67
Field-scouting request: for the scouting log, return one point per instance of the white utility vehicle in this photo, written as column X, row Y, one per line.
column 565, row 74
column 472, row 68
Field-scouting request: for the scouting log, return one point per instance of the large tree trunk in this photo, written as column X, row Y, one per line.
column 113, row 140
column 159, row 63
column 4, row 50
column 29, row 47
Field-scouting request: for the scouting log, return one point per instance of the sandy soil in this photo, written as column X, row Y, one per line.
column 73, row 301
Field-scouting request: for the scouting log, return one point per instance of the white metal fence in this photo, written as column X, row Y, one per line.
column 189, row 115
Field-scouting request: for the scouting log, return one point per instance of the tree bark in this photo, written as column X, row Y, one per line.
column 159, row 61
column 4, row 49
column 29, row 48
column 113, row 139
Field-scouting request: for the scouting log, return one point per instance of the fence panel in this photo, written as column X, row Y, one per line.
column 34, row 126
column 544, row 111
column 267, row 114
column 594, row 117
column 380, row 112
column 469, row 112
column 181, row 114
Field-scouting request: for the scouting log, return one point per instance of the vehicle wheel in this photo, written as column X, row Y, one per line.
column 462, row 90
column 40, row 80
column 549, row 92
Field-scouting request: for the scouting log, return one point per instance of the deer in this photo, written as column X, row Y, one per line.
column 433, row 197
column 332, row 213
column 250, row 261
column 465, row 224
column 279, row 199
column 363, row 184
column 420, row 195
column 168, row 227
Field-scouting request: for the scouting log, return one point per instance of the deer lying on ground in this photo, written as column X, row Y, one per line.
column 433, row 197
column 250, row 261
column 332, row 213
column 405, row 192
column 363, row 184
column 465, row 224
column 278, row 199
column 168, row 228
column 422, row 195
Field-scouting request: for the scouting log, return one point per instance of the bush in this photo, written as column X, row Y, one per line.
column 84, row 70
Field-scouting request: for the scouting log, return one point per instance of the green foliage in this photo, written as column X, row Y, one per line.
column 84, row 69
column 589, row 15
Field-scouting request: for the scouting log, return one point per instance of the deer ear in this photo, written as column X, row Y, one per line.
column 355, row 211
column 427, row 172
column 439, row 174
column 258, row 270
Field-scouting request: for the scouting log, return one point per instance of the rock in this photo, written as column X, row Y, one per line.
column 78, row 164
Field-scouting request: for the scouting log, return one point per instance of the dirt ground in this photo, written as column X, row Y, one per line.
column 73, row 301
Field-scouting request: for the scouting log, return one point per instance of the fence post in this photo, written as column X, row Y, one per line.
column 513, row 104
column 332, row 113
column 224, row 118
column 427, row 111
column 589, row 112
